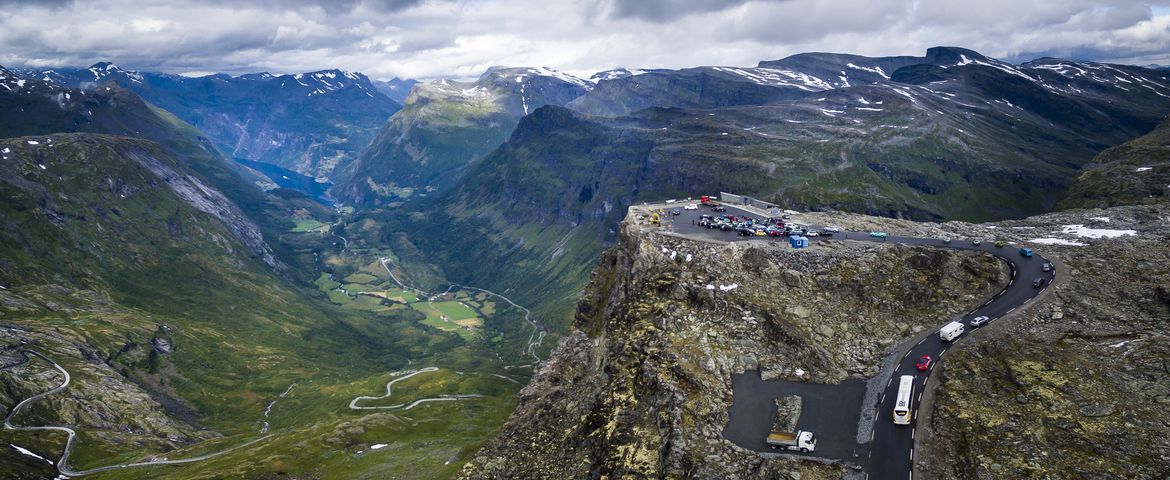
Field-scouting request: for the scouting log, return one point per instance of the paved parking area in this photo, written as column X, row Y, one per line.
column 831, row 412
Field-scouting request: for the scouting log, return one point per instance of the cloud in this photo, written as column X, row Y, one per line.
column 460, row 38
column 664, row 10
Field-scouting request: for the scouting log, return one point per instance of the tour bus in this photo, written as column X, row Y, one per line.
column 902, row 403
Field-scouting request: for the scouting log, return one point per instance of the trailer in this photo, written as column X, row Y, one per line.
column 799, row 440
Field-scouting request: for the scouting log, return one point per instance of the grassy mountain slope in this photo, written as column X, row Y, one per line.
column 443, row 127
column 107, row 261
column 117, row 247
column 43, row 108
column 1132, row 173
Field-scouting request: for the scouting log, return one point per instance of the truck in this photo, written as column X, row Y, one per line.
column 950, row 331
column 708, row 200
column 799, row 440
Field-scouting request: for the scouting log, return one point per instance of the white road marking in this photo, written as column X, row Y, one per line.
column 1011, row 281
column 904, row 357
column 920, row 394
column 891, row 380
column 1013, row 273
column 912, row 429
column 911, row 456
column 924, row 380
column 883, row 400
column 943, row 351
column 871, row 433
column 1010, row 311
column 923, row 340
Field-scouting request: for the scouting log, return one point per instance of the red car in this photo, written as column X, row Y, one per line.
column 924, row 362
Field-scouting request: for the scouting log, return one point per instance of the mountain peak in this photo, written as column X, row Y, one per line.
column 105, row 66
column 952, row 55
column 522, row 75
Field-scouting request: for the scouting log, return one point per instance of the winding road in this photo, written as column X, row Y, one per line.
column 353, row 404
column 890, row 447
column 63, row 463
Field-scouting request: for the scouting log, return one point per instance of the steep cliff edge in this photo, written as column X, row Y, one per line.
column 642, row 385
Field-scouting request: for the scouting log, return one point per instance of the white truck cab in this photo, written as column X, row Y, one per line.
column 801, row 440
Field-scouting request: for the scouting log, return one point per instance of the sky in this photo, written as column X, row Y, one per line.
column 428, row 39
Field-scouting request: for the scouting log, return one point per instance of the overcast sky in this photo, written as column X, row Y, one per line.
column 427, row 39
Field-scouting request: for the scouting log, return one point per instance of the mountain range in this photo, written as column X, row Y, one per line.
column 950, row 135
column 445, row 126
column 308, row 123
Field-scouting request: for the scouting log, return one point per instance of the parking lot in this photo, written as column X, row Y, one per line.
column 731, row 223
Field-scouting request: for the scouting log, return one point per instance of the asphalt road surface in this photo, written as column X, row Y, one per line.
column 891, row 447
column 831, row 408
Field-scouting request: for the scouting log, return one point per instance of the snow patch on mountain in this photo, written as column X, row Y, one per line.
column 779, row 78
column 877, row 70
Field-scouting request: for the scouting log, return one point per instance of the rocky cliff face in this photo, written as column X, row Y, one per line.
column 1135, row 172
column 642, row 384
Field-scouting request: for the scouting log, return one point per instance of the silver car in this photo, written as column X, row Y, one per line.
column 979, row 321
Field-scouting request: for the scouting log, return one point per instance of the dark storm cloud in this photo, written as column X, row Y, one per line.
column 460, row 38
column 664, row 10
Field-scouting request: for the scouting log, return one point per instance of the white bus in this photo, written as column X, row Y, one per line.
column 902, row 403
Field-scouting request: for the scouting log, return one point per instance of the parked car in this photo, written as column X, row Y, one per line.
column 719, row 208
column 876, row 234
column 744, row 231
column 946, row 239
column 676, row 212
column 979, row 321
column 691, row 206
column 924, row 362
column 760, row 232
column 1000, row 243
column 812, row 233
column 1047, row 267
column 1039, row 282
column 826, row 233
column 831, row 229
column 976, row 242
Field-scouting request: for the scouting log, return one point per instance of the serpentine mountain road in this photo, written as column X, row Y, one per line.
column 891, row 447
column 63, row 463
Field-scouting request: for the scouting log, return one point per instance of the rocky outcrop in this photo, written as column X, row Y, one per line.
column 641, row 387
column 787, row 413
column 99, row 399
column 1078, row 385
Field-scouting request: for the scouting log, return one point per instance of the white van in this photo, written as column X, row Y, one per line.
column 950, row 331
